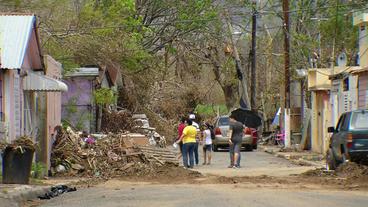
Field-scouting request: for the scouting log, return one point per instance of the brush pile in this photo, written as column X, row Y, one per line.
column 114, row 155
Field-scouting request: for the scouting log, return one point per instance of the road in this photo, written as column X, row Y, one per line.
column 254, row 163
column 211, row 194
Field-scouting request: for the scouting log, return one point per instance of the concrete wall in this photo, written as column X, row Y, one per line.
column 363, row 91
column 77, row 103
column 53, row 69
column 320, row 121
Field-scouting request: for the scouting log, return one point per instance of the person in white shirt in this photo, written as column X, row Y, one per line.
column 207, row 144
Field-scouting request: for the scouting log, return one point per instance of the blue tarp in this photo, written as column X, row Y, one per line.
column 276, row 119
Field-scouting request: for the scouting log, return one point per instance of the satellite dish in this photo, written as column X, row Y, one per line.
column 342, row 59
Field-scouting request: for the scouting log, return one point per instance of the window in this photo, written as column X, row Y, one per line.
column 223, row 121
column 341, row 121
column 346, row 84
column 345, row 123
column 359, row 120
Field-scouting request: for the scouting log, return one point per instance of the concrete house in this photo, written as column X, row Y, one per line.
column 362, row 87
column 78, row 107
column 319, row 85
column 339, row 89
column 360, row 20
column 24, row 86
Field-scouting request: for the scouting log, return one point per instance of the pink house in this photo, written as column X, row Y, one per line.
column 27, row 106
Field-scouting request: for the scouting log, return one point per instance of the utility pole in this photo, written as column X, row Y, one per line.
column 253, row 61
column 286, row 28
column 244, row 93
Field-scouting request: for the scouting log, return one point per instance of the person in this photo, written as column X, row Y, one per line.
column 207, row 144
column 235, row 140
column 189, row 141
column 180, row 132
column 196, row 155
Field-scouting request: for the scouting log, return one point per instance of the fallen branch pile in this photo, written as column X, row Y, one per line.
column 114, row 155
column 116, row 122
column 20, row 143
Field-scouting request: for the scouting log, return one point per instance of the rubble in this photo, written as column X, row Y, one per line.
column 114, row 155
column 21, row 142
column 117, row 122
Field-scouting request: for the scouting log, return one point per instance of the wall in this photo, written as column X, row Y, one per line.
column 53, row 107
column 77, row 106
column 321, row 120
column 363, row 91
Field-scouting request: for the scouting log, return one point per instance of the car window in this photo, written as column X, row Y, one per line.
column 339, row 124
column 345, row 123
column 223, row 121
column 359, row 121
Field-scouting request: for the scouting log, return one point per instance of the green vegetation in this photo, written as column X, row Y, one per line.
column 211, row 110
column 104, row 96
column 38, row 170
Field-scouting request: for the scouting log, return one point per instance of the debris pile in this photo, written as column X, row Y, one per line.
column 349, row 170
column 113, row 155
column 20, row 143
column 352, row 170
column 116, row 122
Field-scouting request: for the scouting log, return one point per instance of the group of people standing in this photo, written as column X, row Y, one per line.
column 190, row 136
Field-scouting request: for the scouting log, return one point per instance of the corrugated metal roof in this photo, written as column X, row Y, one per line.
column 40, row 82
column 15, row 31
column 84, row 72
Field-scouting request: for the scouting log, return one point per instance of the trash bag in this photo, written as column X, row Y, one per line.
column 56, row 191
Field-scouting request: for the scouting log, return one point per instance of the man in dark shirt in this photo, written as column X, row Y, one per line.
column 235, row 140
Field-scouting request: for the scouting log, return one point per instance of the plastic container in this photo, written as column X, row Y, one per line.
column 17, row 164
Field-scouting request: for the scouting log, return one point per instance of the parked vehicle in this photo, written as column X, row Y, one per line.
column 349, row 141
column 222, row 127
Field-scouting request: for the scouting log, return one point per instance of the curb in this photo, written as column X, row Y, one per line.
column 23, row 193
column 299, row 161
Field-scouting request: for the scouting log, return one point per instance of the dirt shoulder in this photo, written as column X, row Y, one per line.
column 348, row 177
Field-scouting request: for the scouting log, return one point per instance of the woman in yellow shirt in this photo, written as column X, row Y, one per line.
column 189, row 141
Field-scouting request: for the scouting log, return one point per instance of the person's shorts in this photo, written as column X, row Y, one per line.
column 207, row 147
column 235, row 147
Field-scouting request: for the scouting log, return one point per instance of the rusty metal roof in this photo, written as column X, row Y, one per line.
column 15, row 31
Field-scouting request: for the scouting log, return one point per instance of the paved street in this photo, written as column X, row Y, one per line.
column 126, row 194
column 123, row 193
column 254, row 163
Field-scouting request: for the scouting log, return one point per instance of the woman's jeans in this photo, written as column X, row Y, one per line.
column 188, row 150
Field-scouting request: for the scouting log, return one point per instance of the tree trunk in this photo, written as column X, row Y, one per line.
column 231, row 95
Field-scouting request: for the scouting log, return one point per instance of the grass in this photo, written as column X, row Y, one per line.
column 211, row 110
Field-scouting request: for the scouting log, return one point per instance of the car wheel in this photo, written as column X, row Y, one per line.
column 255, row 146
column 248, row 148
column 331, row 163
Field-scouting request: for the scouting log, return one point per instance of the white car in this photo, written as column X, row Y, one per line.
column 222, row 127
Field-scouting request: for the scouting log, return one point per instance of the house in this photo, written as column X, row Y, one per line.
column 339, row 89
column 319, row 85
column 78, row 105
column 343, row 94
column 362, row 87
column 24, row 86
column 361, row 21
column 333, row 92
